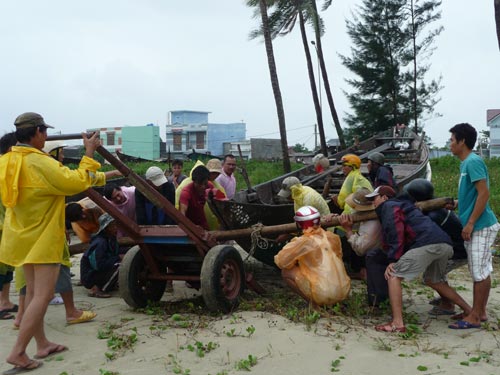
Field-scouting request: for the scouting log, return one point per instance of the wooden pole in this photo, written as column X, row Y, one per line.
column 225, row 235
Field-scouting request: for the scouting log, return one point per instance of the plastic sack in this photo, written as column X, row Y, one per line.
column 312, row 264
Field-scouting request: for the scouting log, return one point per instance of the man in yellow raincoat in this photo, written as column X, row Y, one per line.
column 291, row 188
column 354, row 181
column 33, row 186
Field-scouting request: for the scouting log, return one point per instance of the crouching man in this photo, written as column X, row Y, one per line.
column 312, row 263
column 414, row 245
column 99, row 264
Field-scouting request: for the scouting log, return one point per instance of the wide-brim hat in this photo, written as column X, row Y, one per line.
column 214, row 165
column 359, row 202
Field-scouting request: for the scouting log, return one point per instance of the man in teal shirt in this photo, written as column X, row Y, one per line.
column 480, row 225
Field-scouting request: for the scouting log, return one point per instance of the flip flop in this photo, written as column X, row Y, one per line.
column 13, row 309
column 461, row 316
column 463, row 324
column 435, row 301
column 5, row 315
column 85, row 317
column 436, row 310
column 55, row 350
column 389, row 327
column 99, row 295
column 30, row 366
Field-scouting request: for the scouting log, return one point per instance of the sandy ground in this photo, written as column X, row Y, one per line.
column 202, row 343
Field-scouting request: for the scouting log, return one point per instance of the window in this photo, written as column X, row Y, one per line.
column 177, row 142
column 110, row 138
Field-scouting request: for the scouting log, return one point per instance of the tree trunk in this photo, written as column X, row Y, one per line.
column 497, row 20
column 414, row 41
column 275, row 84
column 312, row 81
column 326, row 82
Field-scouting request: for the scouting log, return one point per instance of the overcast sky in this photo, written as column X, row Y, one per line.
column 108, row 63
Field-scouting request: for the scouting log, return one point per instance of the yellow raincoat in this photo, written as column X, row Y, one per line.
column 33, row 187
column 307, row 196
column 353, row 182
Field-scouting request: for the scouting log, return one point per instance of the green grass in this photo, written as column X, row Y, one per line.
column 445, row 174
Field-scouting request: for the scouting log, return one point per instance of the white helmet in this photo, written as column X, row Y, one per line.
column 53, row 145
column 307, row 217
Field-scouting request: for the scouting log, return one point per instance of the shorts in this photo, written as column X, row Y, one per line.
column 479, row 253
column 63, row 283
column 431, row 260
column 6, row 279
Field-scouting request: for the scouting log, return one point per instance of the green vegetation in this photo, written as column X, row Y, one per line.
column 445, row 173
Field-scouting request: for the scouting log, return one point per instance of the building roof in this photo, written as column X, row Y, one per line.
column 491, row 114
column 188, row 111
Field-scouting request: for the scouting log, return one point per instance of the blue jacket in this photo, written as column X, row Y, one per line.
column 405, row 227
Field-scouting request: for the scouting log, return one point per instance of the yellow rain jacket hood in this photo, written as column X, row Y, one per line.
column 307, row 196
column 33, row 187
column 352, row 183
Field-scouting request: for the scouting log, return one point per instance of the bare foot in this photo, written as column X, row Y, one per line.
column 50, row 349
column 21, row 360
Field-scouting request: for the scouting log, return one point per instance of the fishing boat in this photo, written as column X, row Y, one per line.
column 404, row 151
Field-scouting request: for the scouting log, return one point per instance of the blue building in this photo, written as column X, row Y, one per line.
column 190, row 130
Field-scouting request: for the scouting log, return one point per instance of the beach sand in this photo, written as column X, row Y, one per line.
column 188, row 340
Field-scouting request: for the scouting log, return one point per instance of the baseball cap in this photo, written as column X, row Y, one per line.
column 156, row 176
column 382, row 190
column 30, row 120
column 286, row 185
column 104, row 220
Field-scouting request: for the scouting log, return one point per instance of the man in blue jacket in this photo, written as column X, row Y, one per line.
column 414, row 245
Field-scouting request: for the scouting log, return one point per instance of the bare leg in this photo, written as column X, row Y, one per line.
column 5, row 302
column 396, row 299
column 449, row 294
column 481, row 293
column 20, row 312
column 69, row 304
column 40, row 282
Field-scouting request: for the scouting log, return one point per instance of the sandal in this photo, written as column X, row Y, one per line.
column 462, row 315
column 6, row 315
column 99, row 295
column 389, row 327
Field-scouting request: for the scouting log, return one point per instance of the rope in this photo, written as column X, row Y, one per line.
column 257, row 240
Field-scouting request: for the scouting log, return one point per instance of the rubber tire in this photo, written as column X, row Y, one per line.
column 136, row 292
column 222, row 278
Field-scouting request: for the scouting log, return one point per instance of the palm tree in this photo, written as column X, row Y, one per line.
column 282, row 21
column 497, row 19
column 265, row 31
column 319, row 31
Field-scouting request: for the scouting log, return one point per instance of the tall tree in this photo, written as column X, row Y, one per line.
column 422, row 14
column 390, row 48
column 378, row 44
column 265, row 32
column 319, row 31
column 497, row 19
column 282, row 21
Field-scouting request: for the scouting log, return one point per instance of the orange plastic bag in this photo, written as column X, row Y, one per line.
column 312, row 265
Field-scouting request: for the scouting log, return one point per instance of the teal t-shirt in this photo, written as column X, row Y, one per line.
column 473, row 169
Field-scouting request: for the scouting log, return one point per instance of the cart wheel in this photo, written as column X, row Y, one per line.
column 222, row 278
column 135, row 289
